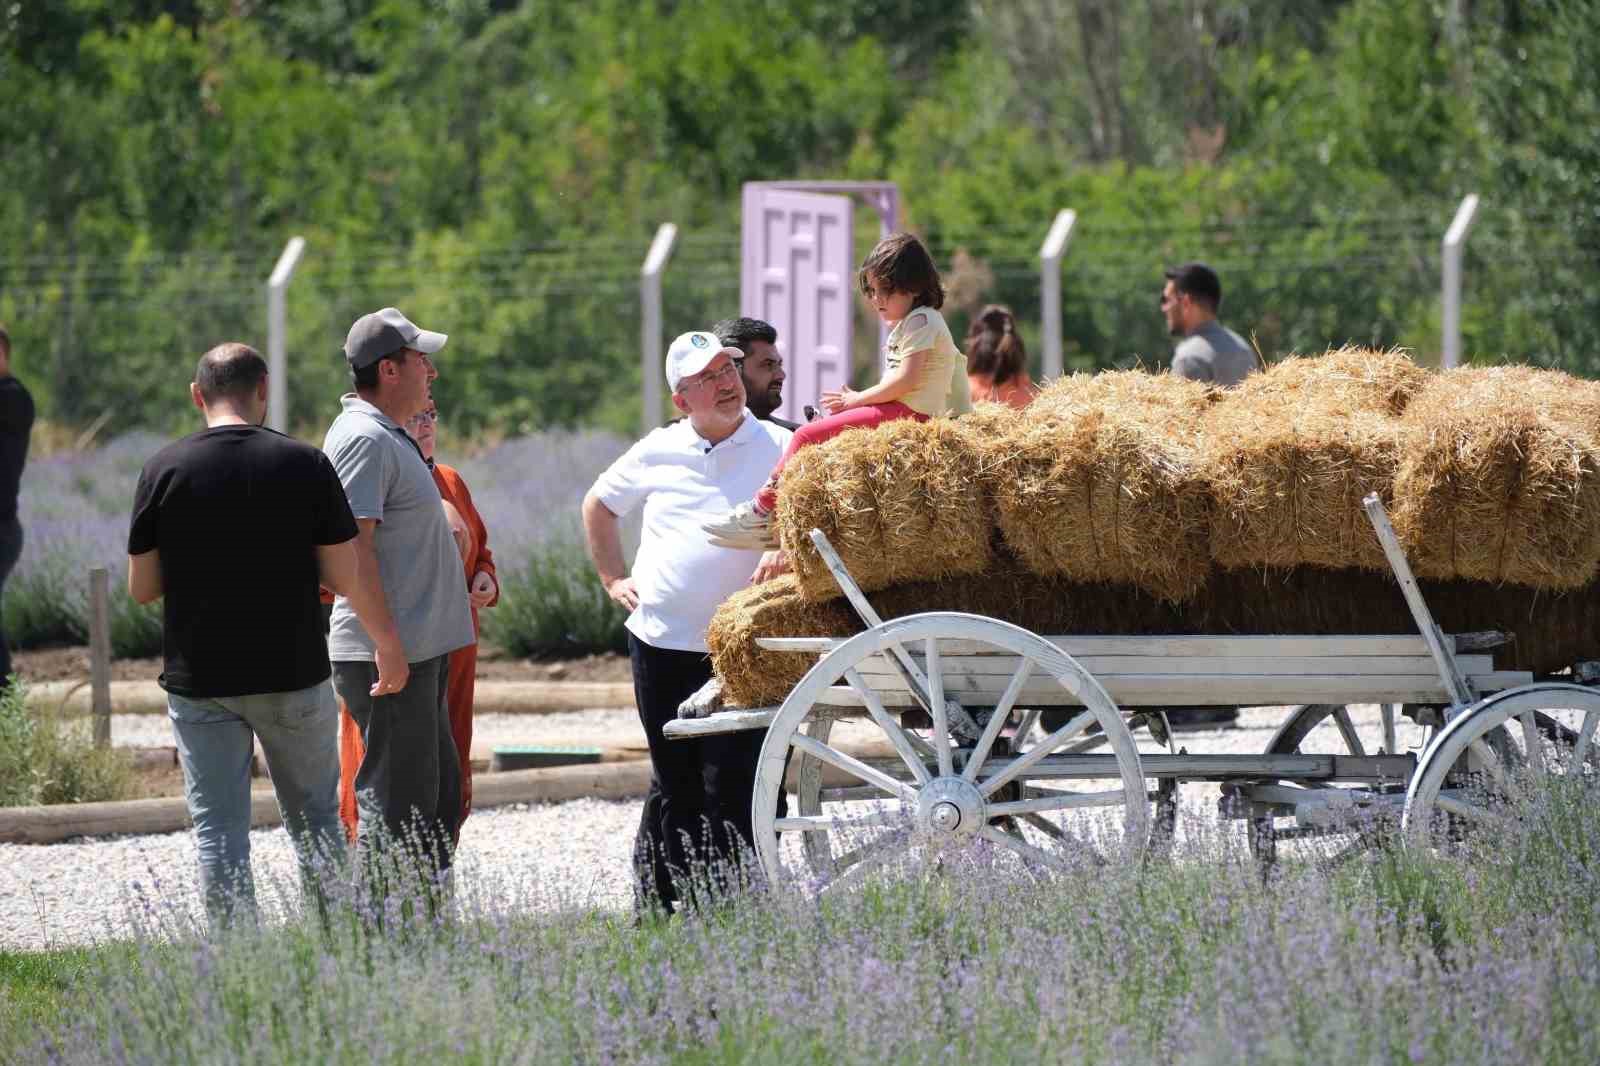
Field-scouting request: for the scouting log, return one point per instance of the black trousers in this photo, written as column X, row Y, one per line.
column 409, row 781
column 10, row 551
column 698, row 808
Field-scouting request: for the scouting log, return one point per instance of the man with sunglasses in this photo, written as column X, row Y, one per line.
column 682, row 475
column 760, row 365
column 1209, row 350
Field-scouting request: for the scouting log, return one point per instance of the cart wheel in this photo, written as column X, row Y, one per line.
column 1294, row 738
column 933, row 788
column 1492, row 765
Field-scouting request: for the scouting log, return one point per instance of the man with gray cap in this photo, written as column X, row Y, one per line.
column 408, row 784
column 681, row 475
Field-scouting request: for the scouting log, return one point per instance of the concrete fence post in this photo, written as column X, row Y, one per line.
column 1050, row 253
column 650, row 348
column 1454, row 238
column 277, row 357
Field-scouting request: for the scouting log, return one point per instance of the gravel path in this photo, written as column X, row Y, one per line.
column 59, row 895
column 549, row 857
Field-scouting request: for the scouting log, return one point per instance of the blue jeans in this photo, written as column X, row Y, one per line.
column 299, row 735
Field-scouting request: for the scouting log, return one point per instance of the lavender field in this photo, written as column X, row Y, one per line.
column 75, row 506
column 1486, row 953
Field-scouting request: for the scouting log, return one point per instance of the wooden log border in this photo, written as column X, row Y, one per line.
column 492, row 697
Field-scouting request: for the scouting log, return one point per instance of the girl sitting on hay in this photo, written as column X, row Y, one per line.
column 926, row 376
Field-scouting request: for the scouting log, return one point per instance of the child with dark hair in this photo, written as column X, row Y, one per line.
column 925, row 376
column 997, row 363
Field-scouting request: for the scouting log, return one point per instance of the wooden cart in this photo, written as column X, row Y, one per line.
column 941, row 727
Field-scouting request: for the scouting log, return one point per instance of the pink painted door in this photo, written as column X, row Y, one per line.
column 797, row 276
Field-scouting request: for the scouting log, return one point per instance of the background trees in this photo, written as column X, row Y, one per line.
column 498, row 167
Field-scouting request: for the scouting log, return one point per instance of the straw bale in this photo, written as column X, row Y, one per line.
column 1359, row 379
column 1098, row 481
column 1499, row 479
column 1287, row 472
column 1549, row 631
column 902, row 502
column 1165, row 400
column 751, row 676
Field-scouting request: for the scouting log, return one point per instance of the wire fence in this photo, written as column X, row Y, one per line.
column 548, row 332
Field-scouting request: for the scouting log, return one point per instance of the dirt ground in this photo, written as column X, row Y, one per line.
column 66, row 664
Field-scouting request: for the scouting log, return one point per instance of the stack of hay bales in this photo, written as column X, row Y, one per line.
column 1129, row 502
column 1549, row 631
column 1289, row 455
column 1098, row 480
column 1499, row 478
column 902, row 502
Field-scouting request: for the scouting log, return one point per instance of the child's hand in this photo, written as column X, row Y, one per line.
column 835, row 401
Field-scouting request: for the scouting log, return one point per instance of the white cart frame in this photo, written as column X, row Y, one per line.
column 979, row 767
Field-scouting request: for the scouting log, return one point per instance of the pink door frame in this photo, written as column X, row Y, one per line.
column 806, row 367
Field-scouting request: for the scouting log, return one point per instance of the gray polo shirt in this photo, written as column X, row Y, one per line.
column 1213, row 353
column 385, row 477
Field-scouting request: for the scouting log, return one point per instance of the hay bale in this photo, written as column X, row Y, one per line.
column 902, row 502
column 1358, row 379
column 1549, row 631
column 1287, row 472
column 752, row 676
column 1499, row 479
column 1098, row 481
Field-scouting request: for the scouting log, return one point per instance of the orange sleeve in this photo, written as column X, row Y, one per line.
column 454, row 489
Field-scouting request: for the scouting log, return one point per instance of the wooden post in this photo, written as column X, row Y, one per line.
column 100, row 654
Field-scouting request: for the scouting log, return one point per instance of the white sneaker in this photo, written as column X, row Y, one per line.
column 744, row 527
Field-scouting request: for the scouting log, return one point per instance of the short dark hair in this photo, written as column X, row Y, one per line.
column 1199, row 282
column 230, row 371
column 905, row 266
column 366, row 378
column 743, row 332
column 993, row 346
column 5, row 342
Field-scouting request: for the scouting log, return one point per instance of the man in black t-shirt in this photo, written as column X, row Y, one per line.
column 16, row 423
column 236, row 526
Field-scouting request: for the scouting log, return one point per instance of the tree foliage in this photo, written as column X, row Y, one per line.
column 497, row 169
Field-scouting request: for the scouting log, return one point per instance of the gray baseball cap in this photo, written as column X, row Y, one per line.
column 384, row 333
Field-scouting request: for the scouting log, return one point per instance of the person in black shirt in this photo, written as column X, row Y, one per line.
column 236, row 526
column 761, row 367
column 16, row 423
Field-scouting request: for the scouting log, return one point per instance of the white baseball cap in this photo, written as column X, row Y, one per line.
column 692, row 353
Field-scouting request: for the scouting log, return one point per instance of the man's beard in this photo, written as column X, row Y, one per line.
column 767, row 403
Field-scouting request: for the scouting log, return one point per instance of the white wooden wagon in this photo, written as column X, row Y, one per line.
column 941, row 727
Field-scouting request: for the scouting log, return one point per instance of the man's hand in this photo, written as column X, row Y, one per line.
column 625, row 593
column 393, row 670
column 458, row 529
column 772, row 564
column 483, row 589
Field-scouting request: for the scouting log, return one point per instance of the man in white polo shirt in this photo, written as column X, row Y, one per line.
column 683, row 474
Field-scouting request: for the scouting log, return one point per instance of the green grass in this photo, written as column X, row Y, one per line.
column 44, row 760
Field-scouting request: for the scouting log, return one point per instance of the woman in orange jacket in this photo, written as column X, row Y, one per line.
column 483, row 587
column 997, row 363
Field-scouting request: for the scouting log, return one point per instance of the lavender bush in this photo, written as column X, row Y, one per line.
column 1485, row 955
column 75, row 508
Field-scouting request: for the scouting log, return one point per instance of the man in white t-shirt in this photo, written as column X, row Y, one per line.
column 683, row 475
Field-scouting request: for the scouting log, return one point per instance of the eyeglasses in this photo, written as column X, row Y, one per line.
column 423, row 417
column 727, row 373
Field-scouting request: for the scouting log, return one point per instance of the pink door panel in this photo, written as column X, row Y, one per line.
column 797, row 276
